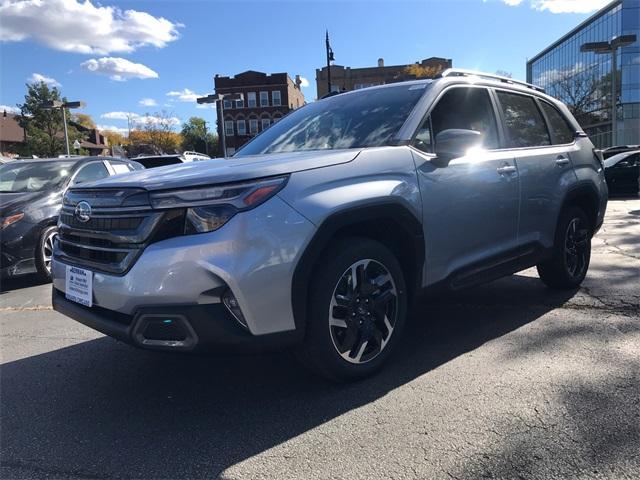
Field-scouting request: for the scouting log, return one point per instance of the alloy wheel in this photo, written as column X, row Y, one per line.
column 363, row 311
column 575, row 248
column 47, row 249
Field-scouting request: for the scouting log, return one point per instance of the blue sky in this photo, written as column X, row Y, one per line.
column 117, row 56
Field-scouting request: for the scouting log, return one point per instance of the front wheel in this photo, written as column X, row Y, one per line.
column 356, row 311
column 44, row 252
column 569, row 263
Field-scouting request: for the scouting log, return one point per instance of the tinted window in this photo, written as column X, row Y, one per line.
column 465, row 108
column 152, row 162
column 91, row 172
column 351, row 120
column 22, row 176
column 523, row 121
column 557, row 124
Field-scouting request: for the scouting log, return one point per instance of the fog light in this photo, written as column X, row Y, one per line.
column 231, row 302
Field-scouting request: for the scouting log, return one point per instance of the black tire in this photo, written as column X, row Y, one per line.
column 568, row 265
column 44, row 249
column 382, row 293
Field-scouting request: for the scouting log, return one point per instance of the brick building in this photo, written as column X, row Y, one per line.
column 347, row 78
column 12, row 137
column 267, row 98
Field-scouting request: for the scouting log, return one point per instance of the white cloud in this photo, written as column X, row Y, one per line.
column 202, row 106
column 82, row 27
column 137, row 119
column 148, row 102
column 37, row 78
column 119, row 69
column 184, row 95
column 153, row 119
column 304, row 82
column 113, row 128
column 562, row 6
column 119, row 115
column 9, row 109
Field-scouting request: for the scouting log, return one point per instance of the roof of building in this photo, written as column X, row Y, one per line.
column 589, row 20
column 10, row 129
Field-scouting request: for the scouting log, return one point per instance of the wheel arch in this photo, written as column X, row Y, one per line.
column 586, row 197
column 388, row 222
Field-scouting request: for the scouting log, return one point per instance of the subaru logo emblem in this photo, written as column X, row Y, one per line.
column 83, row 211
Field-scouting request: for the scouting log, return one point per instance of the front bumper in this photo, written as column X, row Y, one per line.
column 253, row 255
column 191, row 328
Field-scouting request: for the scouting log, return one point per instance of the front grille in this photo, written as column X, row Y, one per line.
column 102, row 224
column 113, row 237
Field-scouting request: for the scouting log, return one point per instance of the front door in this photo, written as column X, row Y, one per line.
column 470, row 207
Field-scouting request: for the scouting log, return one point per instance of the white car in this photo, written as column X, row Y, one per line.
column 194, row 156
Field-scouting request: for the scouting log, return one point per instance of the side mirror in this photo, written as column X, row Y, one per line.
column 453, row 143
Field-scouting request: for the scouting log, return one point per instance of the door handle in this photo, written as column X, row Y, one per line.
column 507, row 169
column 561, row 161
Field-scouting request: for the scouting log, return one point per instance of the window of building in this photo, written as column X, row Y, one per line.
column 251, row 99
column 560, row 130
column 241, row 127
column 253, row 126
column 276, row 117
column 227, row 104
column 464, row 108
column 265, row 123
column 240, row 103
column 264, row 99
column 276, row 100
column 524, row 124
column 228, row 128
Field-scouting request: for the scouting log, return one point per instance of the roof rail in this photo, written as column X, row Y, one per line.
column 460, row 72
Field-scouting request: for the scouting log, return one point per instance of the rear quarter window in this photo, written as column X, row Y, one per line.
column 560, row 131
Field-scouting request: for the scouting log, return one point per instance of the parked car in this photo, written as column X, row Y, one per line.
column 622, row 172
column 611, row 151
column 153, row 161
column 194, row 156
column 319, row 232
column 30, row 201
column 4, row 159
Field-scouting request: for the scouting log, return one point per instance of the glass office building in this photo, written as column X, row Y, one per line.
column 583, row 79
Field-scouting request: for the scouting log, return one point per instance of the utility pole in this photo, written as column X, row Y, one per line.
column 330, row 58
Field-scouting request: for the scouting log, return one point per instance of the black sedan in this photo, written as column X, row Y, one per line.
column 622, row 172
column 30, row 201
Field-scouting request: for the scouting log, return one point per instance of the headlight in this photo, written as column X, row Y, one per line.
column 208, row 208
column 6, row 221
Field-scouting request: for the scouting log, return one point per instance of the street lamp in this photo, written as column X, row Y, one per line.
column 611, row 47
column 218, row 98
column 53, row 104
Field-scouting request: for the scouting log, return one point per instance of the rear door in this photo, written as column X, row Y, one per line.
column 542, row 143
column 470, row 207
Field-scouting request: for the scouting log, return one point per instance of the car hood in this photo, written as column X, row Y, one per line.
column 218, row 170
column 18, row 202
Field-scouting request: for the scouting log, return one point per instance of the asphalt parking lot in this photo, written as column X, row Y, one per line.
column 508, row 380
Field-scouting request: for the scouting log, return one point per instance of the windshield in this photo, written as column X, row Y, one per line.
column 19, row 177
column 368, row 118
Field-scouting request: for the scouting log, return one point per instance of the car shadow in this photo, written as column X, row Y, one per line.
column 10, row 284
column 102, row 409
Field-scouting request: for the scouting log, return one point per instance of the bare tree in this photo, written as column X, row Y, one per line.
column 583, row 93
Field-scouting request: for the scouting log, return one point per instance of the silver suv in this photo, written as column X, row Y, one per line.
column 321, row 230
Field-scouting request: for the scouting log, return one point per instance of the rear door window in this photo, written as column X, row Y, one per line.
column 561, row 133
column 91, row 172
column 524, row 125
